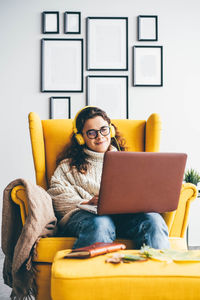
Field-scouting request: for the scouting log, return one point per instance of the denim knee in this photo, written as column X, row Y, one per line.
column 95, row 229
column 156, row 231
column 156, row 221
column 103, row 226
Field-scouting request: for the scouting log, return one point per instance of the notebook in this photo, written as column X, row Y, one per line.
column 134, row 182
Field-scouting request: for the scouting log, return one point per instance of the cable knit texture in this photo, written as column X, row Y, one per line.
column 68, row 187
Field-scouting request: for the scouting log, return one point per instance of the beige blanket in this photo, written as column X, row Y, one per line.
column 18, row 242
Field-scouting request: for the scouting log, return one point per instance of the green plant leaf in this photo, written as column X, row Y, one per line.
column 192, row 176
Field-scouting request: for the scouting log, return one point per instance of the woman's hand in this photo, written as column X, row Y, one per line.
column 92, row 201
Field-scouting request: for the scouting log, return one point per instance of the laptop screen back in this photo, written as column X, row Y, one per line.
column 134, row 182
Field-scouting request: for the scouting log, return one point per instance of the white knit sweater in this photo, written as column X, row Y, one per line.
column 68, row 187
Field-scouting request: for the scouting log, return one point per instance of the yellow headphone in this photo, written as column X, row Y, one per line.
column 79, row 136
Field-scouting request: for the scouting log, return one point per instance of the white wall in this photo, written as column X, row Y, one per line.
column 177, row 101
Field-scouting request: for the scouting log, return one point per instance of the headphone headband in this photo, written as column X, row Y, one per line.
column 76, row 116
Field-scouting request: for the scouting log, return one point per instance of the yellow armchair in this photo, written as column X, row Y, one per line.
column 48, row 137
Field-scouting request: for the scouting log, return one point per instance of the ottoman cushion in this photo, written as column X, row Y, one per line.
column 94, row 279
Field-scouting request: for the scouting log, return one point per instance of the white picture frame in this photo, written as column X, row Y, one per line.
column 107, row 43
column 62, row 65
column 60, row 108
column 72, row 22
column 147, row 28
column 148, row 66
column 50, row 22
column 110, row 93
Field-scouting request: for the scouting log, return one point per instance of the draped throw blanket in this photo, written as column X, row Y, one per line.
column 19, row 242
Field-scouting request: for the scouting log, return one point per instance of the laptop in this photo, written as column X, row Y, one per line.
column 134, row 182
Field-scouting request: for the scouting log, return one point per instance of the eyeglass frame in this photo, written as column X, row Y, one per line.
column 97, row 132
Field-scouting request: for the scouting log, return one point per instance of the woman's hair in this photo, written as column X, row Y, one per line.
column 75, row 152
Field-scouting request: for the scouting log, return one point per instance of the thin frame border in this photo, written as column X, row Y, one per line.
column 161, row 66
column 156, row 27
column 108, row 76
column 42, row 72
column 43, row 22
column 87, row 46
column 51, row 110
column 79, row 18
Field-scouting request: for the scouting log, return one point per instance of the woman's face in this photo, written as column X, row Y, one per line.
column 101, row 142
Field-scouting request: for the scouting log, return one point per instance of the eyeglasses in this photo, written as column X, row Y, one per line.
column 93, row 133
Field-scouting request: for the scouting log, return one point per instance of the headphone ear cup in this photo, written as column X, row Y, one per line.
column 112, row 131
column 80, row 139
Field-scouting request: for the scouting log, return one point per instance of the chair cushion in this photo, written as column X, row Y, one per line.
column 47, row 247
column 93, row 279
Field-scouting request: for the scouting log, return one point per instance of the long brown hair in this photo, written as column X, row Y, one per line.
column 75, row 152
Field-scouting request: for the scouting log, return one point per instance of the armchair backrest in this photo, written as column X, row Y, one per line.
column 49, row 137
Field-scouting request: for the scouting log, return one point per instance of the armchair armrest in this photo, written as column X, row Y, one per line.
column 18, row 196
column 181, row 215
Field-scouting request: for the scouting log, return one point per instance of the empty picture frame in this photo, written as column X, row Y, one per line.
column 147, row 28
column 107, row 43
column 110, row 93
column 72, row 22
column 148, row 66
column 50, row 22
column 60, row 108
column 62, row 65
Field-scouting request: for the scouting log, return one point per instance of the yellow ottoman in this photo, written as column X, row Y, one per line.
column 94, row 279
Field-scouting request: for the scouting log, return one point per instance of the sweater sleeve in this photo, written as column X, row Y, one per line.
column 65, row 192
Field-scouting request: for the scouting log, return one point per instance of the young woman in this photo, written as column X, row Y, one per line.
column 77, row 180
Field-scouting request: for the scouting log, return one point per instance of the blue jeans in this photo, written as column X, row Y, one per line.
column 143, row 228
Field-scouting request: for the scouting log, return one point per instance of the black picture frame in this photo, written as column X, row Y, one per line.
column 148, row 66
column 58, row 103
column 57, row 67
column 102, row 53
column 147, row 28
column 110, row 92
column 75, row 26
column 50, row 22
